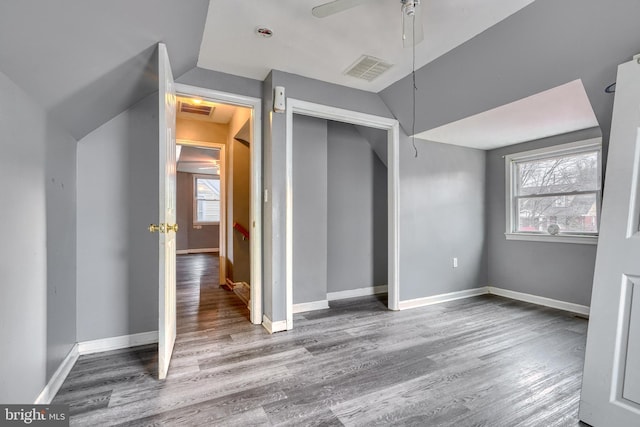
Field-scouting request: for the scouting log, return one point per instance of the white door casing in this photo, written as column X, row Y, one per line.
column 296, row 106
column 611, row 380
column 167, row 208
column 255, row 214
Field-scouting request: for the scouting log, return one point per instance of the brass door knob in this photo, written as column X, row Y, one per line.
column 173, row 227
column 153, row 228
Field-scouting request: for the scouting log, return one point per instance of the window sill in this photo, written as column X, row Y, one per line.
column 583, row 240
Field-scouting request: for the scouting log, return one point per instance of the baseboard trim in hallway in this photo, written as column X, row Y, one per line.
column 535, row 299
column 117, row 343
column 197, row 251
column 55, row 382
column 310, row 306
column 437, row 299
column 273, row 327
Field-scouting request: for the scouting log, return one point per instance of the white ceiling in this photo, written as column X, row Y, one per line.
column 563, row 109
column 204, row 161
column 323, row 48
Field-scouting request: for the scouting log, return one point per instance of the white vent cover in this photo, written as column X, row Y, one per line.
column 368, row 68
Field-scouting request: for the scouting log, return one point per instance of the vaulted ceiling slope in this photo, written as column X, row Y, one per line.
column 87, row 61
column 544, row 45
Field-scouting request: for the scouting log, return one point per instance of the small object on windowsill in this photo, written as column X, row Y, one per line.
column 553, row 229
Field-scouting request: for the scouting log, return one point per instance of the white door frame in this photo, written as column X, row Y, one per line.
column 296, row 106
column 255, row 215
column 222, row 235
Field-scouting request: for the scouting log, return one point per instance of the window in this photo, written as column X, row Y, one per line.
column 206, row 199
column 553, row 194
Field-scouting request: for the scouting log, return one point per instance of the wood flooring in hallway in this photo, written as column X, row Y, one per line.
column 483, row 361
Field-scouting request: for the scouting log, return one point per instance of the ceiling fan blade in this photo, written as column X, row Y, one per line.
column 334, row 7
column 409, row 36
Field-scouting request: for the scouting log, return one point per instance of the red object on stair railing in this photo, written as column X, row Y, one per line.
column 241, row 230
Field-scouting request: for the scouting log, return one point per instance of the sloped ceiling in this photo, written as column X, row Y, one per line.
column 547, row 44
column 87, row 61
column 323, row 48
column 556, row 111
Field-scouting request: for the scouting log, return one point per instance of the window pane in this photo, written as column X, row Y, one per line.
column 575, row 172
column 207, row 199
column 208, row 188
column 573, row 214
column 208, row 211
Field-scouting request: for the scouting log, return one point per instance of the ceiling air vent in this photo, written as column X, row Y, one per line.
column 368, row 68
column 200, row 110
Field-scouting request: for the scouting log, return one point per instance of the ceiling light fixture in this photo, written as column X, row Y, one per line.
column 196, row 101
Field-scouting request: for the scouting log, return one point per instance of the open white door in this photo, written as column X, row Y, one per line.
column 167, row 205
column 611, row 382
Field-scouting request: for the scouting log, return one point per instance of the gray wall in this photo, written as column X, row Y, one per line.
column 442, row 215
column 208, row 236
column 562, row 271
column 96, row 60
column 356, row 211
column 222, row 81
column 37, row 303
column 117, row 267
column 60, row 174
column 309, row 209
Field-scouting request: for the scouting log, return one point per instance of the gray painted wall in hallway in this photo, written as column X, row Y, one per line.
column 117, row 200
column 37, row 303
column 561, row 271
column 309, row 209
column 187, row 237
column 356, row 211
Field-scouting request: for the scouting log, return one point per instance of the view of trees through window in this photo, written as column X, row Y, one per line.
column 207, row 199
column 560, row 190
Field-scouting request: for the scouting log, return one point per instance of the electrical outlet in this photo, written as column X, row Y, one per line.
column 455, row 262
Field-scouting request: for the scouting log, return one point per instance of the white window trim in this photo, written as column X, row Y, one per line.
column 195, row 201
column 555, row 150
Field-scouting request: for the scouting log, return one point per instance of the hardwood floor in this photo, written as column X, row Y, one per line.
column 483, row 361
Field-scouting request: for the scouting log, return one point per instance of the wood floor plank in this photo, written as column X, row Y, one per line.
column 482, row 361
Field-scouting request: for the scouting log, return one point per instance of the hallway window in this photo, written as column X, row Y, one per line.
column 206, row 203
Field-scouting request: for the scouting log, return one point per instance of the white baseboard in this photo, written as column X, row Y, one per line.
column 547, row 302
column 55, row 382
column 310, row 306
column 117, row 343
column 196, row 251
column 273, row 327
column 354, row 293
column 436, row 299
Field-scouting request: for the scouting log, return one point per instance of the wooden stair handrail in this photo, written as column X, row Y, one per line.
column 240, row 229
